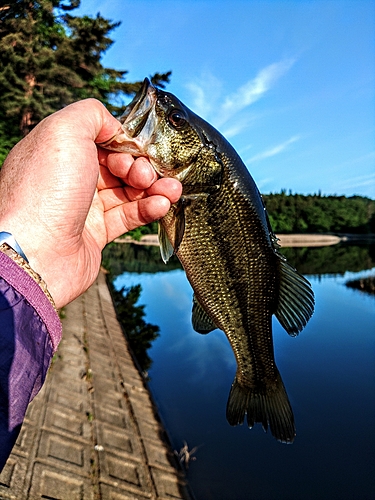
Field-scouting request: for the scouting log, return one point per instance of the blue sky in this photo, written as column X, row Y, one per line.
column 289, row 83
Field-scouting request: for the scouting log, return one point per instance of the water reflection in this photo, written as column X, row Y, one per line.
column 328, row 371
column 124, row 257
column 364, row 284
column 138, row 332
column 337, row 259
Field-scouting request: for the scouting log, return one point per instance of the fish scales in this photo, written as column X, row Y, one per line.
column 235, row 295
column 220, row 232
column 234, row 282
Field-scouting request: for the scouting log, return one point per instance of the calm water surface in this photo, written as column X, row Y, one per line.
column 329, row 373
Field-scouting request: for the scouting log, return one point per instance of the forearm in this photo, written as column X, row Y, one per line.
column 30, row 331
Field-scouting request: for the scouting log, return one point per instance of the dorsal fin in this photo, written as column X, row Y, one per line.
column 296, row 299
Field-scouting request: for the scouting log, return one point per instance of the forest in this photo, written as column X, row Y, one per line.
column 296, row 213
column 51, row 58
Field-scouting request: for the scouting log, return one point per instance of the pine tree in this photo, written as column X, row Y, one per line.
column 50, row 58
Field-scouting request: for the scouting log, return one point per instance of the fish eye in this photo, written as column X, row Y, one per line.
column 177, row 119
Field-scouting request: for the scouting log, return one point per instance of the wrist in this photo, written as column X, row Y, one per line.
column 24, row 264
column 8, row 239
column 21, row 242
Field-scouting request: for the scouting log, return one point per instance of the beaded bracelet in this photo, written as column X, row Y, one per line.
column 10, row 240
column 23, row 263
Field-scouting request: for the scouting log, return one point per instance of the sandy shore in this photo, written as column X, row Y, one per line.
column 308, row 240
column 285, row 240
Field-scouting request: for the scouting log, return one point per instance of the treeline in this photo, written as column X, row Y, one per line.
column 297, row 213
column 51, row 58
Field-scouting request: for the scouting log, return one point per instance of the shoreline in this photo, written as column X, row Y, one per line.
column 285, row 240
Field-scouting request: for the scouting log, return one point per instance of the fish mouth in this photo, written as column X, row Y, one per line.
column 136, row 114
column 138, row 123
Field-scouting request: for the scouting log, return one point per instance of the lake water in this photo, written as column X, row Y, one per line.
column 328, row 371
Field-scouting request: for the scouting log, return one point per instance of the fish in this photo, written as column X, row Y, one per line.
column 220, row 231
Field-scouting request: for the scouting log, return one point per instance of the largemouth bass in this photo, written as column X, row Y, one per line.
column 220, row 231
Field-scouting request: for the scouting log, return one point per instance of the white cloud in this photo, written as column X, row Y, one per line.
column 356, row 182
column 279, row 148
column 205, row 94
column 364, row 183
column 254, row 89
column 264, row 183
column 234, row 127
column 201, row 104
column 210, row 103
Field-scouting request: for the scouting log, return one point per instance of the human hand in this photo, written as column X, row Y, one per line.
column 64, row 198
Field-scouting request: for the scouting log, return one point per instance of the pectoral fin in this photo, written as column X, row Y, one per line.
column 176, row 224
column 201, row 321
column 179, row 224
column 166, row 248
column 296, row 299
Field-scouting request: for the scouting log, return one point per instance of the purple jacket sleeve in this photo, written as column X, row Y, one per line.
column 30, row 332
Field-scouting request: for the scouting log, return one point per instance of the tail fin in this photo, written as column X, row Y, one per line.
column 269, row 405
